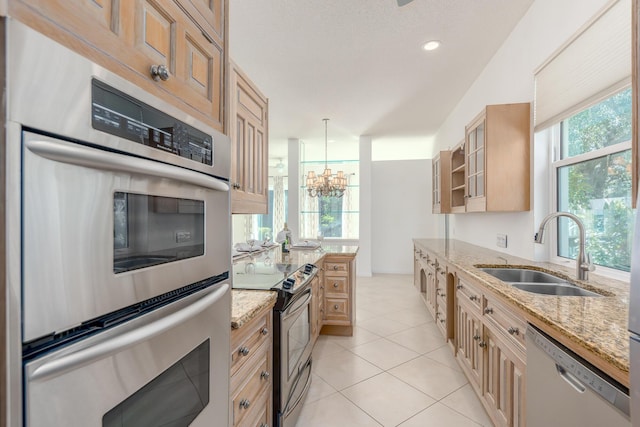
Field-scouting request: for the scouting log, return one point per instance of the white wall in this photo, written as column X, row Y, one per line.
column 400, row 212
column 508, row 78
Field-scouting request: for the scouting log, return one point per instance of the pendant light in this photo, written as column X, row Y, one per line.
column 326, row 184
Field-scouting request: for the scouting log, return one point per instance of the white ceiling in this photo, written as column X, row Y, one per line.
column 360, row 62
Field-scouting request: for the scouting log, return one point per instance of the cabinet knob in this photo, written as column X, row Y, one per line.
column 264, row 375
column 442, row 321
column 243, row 351
column 236, row 185
column 335, row 306
column 335, row 285
column 335, row 267
column 476, row 337
column 159, row 72
column 513, row 331
column 264, row 425
column 264, row 331
column 483, row 344
column 459, row 287
column 488, row 310
column 245, row 403
column 473, row 298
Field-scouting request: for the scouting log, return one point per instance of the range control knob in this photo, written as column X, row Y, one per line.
column 308, row 268
column 288, row 283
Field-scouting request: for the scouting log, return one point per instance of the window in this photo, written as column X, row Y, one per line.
column 593, row 181
column 334, row 217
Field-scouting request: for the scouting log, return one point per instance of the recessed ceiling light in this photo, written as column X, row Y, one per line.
column 431, row 45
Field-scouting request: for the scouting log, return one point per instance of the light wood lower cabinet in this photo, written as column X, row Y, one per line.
column 186, row 37
column 491, row 351
column 339, row 294
column 251, row 372
column 468, row 339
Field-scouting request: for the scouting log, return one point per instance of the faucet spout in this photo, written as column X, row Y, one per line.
column 583, row 260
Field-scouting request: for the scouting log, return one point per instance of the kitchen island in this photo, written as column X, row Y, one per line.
column 278, row 300
column 245, row 303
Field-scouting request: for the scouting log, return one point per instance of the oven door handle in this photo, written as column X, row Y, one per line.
column 80, row 155
column 117, row 343
column 298, row 307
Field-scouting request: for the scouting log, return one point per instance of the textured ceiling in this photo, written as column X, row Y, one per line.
column 360, row 62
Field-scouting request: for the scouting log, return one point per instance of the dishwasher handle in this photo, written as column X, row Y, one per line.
column 571, row 379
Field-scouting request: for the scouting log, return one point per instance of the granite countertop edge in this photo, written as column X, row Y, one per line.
column 598, row 325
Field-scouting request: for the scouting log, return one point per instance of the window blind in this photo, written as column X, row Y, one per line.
column 592, row 65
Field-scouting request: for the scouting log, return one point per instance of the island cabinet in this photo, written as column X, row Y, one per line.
column 490, row 348
column 248, row 129
column 317, row 302
column 251, row 371
column 339, row 294
column 174, row 49
column 497, row 156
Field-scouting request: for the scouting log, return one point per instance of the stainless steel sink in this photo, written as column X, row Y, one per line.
column 557, row 289
column 522, row 275
column 538, row 282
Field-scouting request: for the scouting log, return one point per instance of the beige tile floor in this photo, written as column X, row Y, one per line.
column 394, row 371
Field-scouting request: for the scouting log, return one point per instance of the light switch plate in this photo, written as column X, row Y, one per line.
column 501, row 240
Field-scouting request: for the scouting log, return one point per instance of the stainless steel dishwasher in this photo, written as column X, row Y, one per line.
column 565, row 390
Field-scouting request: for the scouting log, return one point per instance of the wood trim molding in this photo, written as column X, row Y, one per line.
column 635, row 35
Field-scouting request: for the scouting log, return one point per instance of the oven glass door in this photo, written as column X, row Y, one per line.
column 151, row 230
column 167, row 367
column 297, row 327
column 106, row 230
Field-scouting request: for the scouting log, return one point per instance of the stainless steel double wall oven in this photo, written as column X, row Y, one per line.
column 119, row 267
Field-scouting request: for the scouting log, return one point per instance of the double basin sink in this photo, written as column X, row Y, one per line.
column 538, row 282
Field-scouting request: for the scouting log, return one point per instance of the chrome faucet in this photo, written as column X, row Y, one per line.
column 583, row 260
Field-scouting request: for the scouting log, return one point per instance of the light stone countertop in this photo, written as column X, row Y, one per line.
column 245, row 304
column 593, row 327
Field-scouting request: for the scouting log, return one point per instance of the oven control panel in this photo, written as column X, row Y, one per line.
column 299, row 278
column 119, row 114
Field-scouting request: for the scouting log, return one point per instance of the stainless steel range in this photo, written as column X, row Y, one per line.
column 292, row 344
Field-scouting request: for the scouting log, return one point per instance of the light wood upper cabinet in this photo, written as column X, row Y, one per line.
column 441, row 182
column 497, row 159
column 248, row 129
column 129, row 37
column 457, row 181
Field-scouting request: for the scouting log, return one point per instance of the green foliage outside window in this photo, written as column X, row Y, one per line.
column 598, row 190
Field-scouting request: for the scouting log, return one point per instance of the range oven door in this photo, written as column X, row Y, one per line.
column 163, row 368
column 295, row 356
column 104, row 230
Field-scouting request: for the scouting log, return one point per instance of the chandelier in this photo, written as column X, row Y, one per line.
column 326, row 185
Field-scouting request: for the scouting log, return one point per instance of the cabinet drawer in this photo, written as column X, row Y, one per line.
column 250, row 395
column 470, row 293
column 336, row 268
column 336, row 309
column 248, row 339
column 506, row 321
column 336, row 285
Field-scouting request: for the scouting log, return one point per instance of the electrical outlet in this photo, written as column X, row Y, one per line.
column 501, row 240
